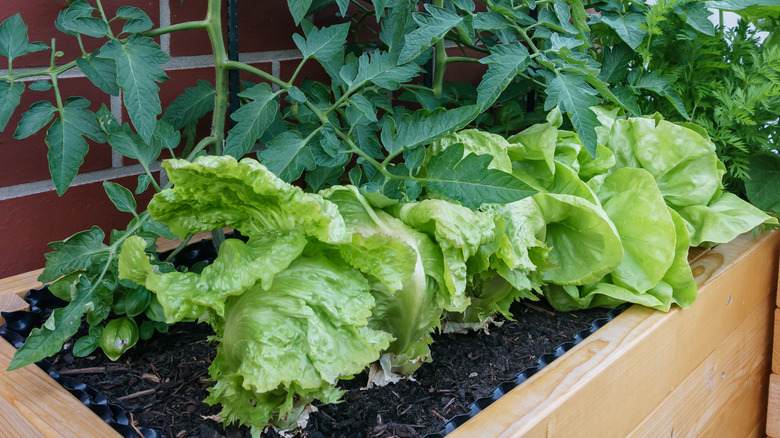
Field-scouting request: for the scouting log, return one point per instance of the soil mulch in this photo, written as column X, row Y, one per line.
column 162, row 382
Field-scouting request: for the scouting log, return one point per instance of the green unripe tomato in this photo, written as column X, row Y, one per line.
column 119, row 335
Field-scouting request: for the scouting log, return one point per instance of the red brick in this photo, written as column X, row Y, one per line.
column 262, row 26
column 312, row 70
column 470, row 72
column 25, row 160
column 41, row 15
column 28, row 224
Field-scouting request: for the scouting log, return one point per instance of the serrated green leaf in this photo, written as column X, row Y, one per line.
column 323, row 176
column 763, row 183
column 63, row 323
column 364, row 106
column 323, row 44
column 165, row 136
column 580, row 16
column 432, row 28
column 42, row 85
column 468, row 179
column 492, row 21
column 296, row 94
column 628, row 99
column 696, row 15
column 10, row 96
column 137, row 20
column 287, row 155
column 572, row 94
column 78, row 19
column 504, row 63
column 131, row 145
column 626, row 26
column 614, row 67
column 298, row 9
column 423, row 126
column 36, row 118
column 143, row 183
column 72, row 254
column 121, row 197
column 661, row 85
column 379, row 68
column 67, row 146
column 191, row 105
column 564, row 15
column 13, row 38
column 101, row 71
column 252, row 119
column 137, row 72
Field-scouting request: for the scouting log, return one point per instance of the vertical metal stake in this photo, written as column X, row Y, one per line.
column 234, row 83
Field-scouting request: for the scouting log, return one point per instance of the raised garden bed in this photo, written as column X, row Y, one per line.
column 697, row 370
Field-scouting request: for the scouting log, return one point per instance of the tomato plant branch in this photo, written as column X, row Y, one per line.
column 105, row 19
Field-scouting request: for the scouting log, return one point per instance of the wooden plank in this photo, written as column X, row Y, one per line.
column 13, row 424
column 776, row 344
column 735, row 369
column 43, row 403
column 696, row 253
column 773, row 407
column 744, row 415
column 640, row 352
column 20, row 284
column 11, row 303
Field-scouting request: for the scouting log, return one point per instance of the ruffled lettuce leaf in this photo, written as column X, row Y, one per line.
column 374, row 248
column 410, row 313
column 683, row 161
column 286, row 345
column 532, row 152
column 458, row 231
column 238, row 267
column 214, row 192
column 476, row 142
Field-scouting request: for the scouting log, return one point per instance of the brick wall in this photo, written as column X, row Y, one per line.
column 31, row 213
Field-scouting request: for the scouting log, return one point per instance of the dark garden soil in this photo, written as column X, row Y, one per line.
column 162, row 382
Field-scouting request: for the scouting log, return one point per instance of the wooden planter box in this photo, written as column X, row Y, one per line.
column 700, row 371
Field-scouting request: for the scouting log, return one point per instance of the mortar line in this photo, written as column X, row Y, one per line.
column 37, row 187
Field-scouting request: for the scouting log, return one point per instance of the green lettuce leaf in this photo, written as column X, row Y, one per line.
column 722, row 220
column 476, row 142
column 238, row 267
column 214, row 192
column 409, row 312
column 584, row 245
column 458, row 231
column 634, row 204
column 287, row 345
column 683, row 162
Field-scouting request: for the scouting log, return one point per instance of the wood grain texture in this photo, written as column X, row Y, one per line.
column 737, row 370
column 32, row 401
column 20, row 284
column 773, row 411
column 610, row 383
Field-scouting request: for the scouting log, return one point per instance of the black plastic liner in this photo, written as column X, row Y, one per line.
column 18, row 326
column 480, row 404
